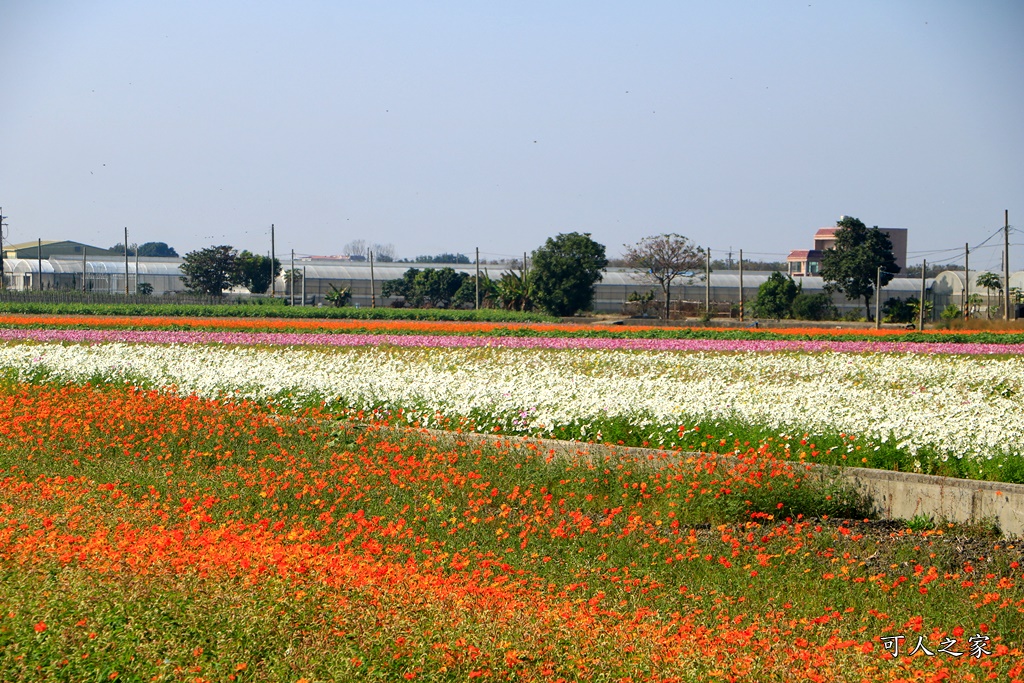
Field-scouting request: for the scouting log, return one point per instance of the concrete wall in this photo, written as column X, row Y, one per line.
column 892, row 495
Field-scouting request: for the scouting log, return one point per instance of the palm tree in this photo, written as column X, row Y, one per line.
column 990, row 281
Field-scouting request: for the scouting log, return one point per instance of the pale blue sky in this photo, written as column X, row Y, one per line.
column 445, row 126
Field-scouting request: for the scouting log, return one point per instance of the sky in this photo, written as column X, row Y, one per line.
column 449, row 126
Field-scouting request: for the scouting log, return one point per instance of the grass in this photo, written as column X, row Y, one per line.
column 256, row 310
column 148, row 536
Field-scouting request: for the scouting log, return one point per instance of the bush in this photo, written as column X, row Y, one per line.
column 817, row 306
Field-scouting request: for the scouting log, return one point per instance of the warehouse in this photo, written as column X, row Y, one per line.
column 106, row 275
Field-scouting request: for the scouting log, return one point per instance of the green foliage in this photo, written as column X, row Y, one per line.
column 157, row 249
column 211, row 271
column 565, row 271
column 514, row 291
column 270, row 308
column 992, row 283
column 950, row 312
column 644, row 301
column 144, row 288
column 338, row 297
column 818, row 306
column 852, row 266
column 443, row 258
column 430, row 288
column 899, row 311
column 254, row 271
column 775, row 296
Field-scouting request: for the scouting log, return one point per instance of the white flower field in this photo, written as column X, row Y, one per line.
column 954, row 406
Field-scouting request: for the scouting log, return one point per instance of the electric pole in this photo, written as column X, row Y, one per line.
column 707, row 283
column 291, row 282
column 967, row 281
column 878, row 298
column 126, row 260
column 477, row 307
column 3, row 285
column 273, row 273
column 373, row 286
column 1006, row 265
column 920, row 311
column 741, row 285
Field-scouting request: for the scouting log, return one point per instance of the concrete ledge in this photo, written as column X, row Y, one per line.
column 892, row 495
column 902, row 495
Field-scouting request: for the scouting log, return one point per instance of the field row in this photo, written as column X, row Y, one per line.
column 470, row 327
column 957, row 415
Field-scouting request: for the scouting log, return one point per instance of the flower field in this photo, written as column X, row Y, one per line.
column 259, row 503
column 924, row 412
column 151, row 536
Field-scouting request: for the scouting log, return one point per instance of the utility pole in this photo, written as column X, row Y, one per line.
column 707, row 283
column 303, row 286
column 741, row 285
column 291, row 282
column 273, row 275
column 136, row 271
column 1006, row 265
column 967, row 281
column 878, row 298
column 477, row 307
column 3, row 284
column 920, row 311
column 39, row 260
column 126, row 260
column 85, row 266
column 373, row 285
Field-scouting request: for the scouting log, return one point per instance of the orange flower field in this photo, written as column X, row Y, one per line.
column 146, row 536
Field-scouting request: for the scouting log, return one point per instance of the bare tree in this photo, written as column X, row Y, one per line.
column 356, row 248
column 663, row 258
column 384, row 252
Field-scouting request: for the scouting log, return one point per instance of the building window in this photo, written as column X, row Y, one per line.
column 797, row 267
column 812, row 268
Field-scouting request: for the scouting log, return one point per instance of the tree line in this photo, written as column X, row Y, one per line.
column 560, row 275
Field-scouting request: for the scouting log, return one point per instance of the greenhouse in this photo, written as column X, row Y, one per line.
column 689, row 292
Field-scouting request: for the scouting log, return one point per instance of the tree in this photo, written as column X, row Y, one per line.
column 404, row 287
column 663, row 258
column 254, row 271
column 119, row 248
column 144, row 288
column 157, row 249
column 852, row 265
column 817, row 306
column 990, row 281
column 338, row 297
column 211, row 270
column 775, row 296
column 514, row 291
column 443, row 258
column 565, row 271
column 429, row 288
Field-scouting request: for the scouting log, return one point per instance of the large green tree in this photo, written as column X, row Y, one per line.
column 663, row 258
column 211, row 270
column 429, row 288
column 775, row 296
column 254, row 271
column 565, row 271
column 159, row 249
column 851, row 267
